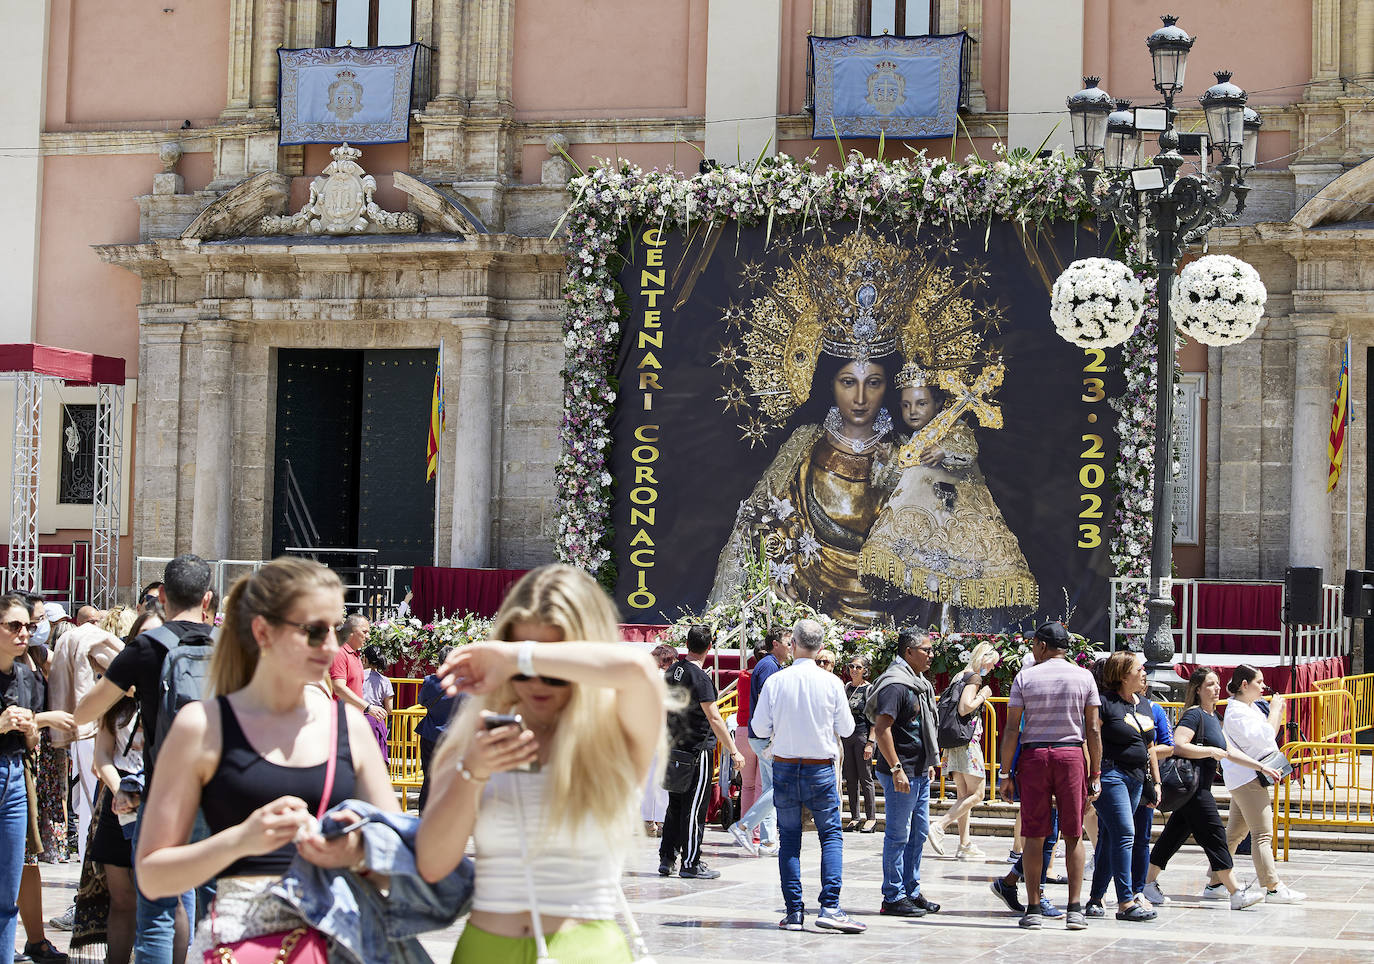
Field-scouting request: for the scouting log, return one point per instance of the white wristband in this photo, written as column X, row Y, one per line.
column 524, row 658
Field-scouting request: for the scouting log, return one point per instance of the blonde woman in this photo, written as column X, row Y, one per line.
column 966, row 762
column 550, row 842
column 255, row 758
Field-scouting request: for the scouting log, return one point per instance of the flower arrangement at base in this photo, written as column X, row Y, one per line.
column 1218, row 300
column 414, row 646
column 1096, row 303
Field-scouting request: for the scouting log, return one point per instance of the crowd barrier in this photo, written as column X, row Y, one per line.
column 1332, row 786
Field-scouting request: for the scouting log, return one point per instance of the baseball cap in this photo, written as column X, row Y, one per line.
column 55, row 612
column 1053, row 635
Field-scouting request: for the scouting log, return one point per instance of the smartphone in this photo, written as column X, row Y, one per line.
column 340, row 830
column 497, row 720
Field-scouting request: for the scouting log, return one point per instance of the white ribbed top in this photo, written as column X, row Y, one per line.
column 575, row 873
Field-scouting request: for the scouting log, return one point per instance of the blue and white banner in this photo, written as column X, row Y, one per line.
column 905, row 87
column 361, row 95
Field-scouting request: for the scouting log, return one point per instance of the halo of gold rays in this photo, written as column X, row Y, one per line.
column 806, row 306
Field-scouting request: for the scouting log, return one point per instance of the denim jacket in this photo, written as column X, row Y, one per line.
column 363, row 925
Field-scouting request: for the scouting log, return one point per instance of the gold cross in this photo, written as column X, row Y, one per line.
column 975, row 399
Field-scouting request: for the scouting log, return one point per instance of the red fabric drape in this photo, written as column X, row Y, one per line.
column 54, row 575
column 440, row 590
column 73, row 367
column 641, row 632
column 1278, row 676
column 1233, row 606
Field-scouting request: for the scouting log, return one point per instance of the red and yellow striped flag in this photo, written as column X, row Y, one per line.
column 1340, row 417
column 436, row 425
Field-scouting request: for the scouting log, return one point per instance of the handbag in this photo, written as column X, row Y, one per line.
column 681, row 771
column 1178, row 781
column 300, row 945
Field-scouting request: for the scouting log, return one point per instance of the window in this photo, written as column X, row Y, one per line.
column 900, row 18
column 76, row 481
column 372, row 23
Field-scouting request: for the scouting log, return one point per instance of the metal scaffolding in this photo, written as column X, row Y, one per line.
column 24, row 478
column 109, row 458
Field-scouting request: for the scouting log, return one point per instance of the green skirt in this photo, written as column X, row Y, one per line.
column 595, row 942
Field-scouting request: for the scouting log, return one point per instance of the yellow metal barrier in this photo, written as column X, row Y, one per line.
column 407, row 690
column 1322, row 716
column 1332, row 786
column 403, row 752
column 1361, row 690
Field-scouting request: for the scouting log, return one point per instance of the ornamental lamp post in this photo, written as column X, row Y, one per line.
column 1171, row 211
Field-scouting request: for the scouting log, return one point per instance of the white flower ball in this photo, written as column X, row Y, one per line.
column 1218, row 300
column 1097, row 302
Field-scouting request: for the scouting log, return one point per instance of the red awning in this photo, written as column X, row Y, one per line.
column 73, row 367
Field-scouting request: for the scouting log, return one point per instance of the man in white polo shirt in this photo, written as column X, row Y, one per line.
column 802, row 708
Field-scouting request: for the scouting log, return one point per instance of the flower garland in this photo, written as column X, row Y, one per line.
column 780, row 190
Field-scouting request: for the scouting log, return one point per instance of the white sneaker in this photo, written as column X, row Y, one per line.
column 769, row 849
column 1248, row 897
column 1154, row 895
column 744, row 837
column 936, row 838
column 1283, row 894
column 1216, row 892
column 970, row 851
column 65, row 921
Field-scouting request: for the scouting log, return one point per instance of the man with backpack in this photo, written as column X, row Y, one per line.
column 167, row 667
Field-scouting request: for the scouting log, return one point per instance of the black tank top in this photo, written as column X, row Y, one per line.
column 244, row 781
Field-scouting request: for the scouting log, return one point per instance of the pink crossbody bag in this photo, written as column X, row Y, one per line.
column 300, row 945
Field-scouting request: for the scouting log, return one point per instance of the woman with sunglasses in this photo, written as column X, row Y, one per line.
column 1255, row 735
column 966, row 762
column 255, row 758
column 550, row 805
column 21, row 700
column 857, row 748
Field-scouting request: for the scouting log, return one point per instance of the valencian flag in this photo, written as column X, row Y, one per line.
column 1340, row 416
column 436, row 425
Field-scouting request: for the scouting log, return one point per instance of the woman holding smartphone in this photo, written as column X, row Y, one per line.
column 550, row 844
column 256, row 758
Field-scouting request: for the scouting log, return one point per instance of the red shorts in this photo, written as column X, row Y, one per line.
column 1057, row 772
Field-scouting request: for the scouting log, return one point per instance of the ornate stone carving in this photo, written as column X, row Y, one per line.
column 169, row 153
column 556, row 171
column 341, row 203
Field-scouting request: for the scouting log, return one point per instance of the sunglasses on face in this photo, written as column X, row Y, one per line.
column 825, row 662
column 546, row 680
column 17, row 626
column 315, row 633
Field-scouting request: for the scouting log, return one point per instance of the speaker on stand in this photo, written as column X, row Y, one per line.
column 1302, row 605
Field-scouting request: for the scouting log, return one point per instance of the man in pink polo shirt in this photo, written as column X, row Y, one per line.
column 346, row 672
column 1052, row 711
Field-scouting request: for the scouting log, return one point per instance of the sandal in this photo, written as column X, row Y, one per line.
column 1136, row 913
column 869, row 826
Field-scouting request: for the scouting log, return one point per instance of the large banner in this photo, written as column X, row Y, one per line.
column 886, row 423
column 332, row 95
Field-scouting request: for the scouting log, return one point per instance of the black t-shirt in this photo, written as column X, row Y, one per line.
column 139, row 665
column 1124, row 740
column 899, row 702
column 1206, row 732
column 688, row 728
column 19, row 687
column 858, row 699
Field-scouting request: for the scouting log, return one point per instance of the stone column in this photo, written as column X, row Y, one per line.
column 471, row 543
column 1309, row 533
column 495, row 36
column 450, row 51
column 270, row 31
column 157, row 473
column 1364, row 38
column 214, row 438
column 240, row 55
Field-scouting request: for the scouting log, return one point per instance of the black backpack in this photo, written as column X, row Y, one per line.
column 952, row 728
column 185, row 670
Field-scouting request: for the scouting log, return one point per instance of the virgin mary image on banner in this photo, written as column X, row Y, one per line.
column 871, row 359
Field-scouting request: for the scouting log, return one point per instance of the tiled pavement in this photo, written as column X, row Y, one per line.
column 735, row 917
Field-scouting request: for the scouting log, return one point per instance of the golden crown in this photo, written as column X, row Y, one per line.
column 885, row 65
column 912, row 375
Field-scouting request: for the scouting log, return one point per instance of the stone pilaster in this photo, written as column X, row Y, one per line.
column 1309, row 535
column 493, row 41
column 158, row 467
column 472, row 475
column 214, row 440
column 971, row 19
column 450, row 53
column 269, row 32
column 240, row 56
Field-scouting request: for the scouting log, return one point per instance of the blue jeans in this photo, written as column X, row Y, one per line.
column 14, row 827
column 908, row 823
column 1140, row 857
column 762, row 816
column 810, row 785
column 1116, row 807
column 155, row 920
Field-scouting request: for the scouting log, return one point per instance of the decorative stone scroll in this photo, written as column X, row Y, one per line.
column 341, row 203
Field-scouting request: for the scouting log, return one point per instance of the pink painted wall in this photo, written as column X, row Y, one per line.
column 573, row 57
column 84, row 303
column 112, row 61
column 681, row 156
column 1267, row 44
column 379, row 160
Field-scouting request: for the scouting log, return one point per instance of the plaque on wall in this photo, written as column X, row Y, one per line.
column 1192, row 388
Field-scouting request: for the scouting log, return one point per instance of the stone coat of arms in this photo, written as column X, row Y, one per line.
column 341, row 203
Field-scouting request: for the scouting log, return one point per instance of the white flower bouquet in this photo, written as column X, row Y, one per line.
column 1097, row 303
column 1218, row 300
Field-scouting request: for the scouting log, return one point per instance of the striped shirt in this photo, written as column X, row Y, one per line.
column 1052, row 695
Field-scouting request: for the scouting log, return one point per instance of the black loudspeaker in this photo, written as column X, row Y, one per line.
column 1302, row 588
column 1359, row 594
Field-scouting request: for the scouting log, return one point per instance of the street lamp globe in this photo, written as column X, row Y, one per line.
column 1088, row 110
column 1169, row 46
column 1224, row 105
column 1123, row 150
column 1250, row 144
